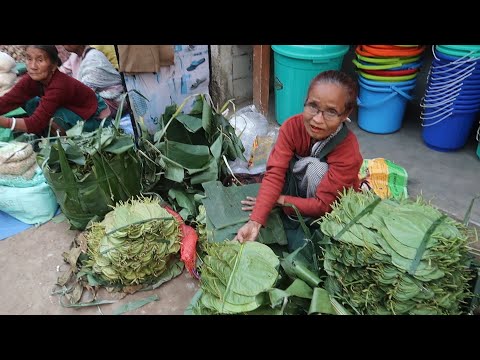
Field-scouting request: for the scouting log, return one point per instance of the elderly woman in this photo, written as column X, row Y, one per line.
column 314, row 158
column 49, row 96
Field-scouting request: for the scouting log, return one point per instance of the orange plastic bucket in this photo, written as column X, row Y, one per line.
column 367, row 50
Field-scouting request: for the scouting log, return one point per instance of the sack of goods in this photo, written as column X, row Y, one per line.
column 8, row 73
column 25, row 195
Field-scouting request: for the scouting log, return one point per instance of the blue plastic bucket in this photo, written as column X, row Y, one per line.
column 431, row 109
column 465, row 56
column 294, row 68
column 449, row 133
column 375, row 83
column 381, row 110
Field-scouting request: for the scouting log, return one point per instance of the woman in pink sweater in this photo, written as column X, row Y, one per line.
column 314, row 158
column 46, row 93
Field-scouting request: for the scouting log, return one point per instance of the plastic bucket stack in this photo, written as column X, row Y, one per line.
column 452, row 97
column 387, row 76
column 294, row 68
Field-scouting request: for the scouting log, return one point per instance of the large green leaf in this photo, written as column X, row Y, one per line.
column 225, row 203
column 277, row 296
column 191, row 123
column 255, row 269
column 74, row 154
column 216, row 148
column 218, row 288
column 189, row 156
column 197, row 106
column 273, row 232
column 323, row 303
column 184, row 200
column 173, row 171
column 300, row 288
column 299, row 264
column 120, row 145
column 207, row 117
column 75, row 130
column 210, row 173
column 223, row 307
column 134, row 305
column 219, row 235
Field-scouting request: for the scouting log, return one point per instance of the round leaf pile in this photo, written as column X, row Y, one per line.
column 133, row 244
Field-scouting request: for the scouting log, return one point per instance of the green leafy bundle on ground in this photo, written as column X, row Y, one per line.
column 395, row 256
column 235, row 278
column 90, row 172
column 133, row 244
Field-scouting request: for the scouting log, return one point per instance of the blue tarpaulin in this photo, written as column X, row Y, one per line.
column 10, row 226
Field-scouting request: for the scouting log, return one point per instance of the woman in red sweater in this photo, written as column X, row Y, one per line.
column 46, row 93
column 314, row 158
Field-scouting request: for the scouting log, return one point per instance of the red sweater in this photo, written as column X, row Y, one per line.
column 344, row 164
column 62, row 91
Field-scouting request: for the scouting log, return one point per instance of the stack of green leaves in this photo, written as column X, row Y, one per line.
column 235, row 278
column 395, row 256
column 90, row 172
column 133, row 244
column 190, row 149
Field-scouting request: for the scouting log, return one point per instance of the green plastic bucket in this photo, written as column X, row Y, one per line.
column 294, row 68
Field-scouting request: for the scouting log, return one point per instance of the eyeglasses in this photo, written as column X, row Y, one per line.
column 328, row 114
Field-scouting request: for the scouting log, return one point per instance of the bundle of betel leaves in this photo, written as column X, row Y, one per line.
column 395, row 256
column 235, row 278
column 134, row 244
column 136, row 247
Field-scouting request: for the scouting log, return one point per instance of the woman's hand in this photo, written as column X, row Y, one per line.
column 5, row 122
column 249, row 202
column 248, row 232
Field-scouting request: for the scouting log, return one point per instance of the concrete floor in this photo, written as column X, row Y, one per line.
column 29, row 260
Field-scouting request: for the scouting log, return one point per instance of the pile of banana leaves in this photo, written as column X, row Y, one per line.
column 90, row 172
column 188, row 150
column 395, row 256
